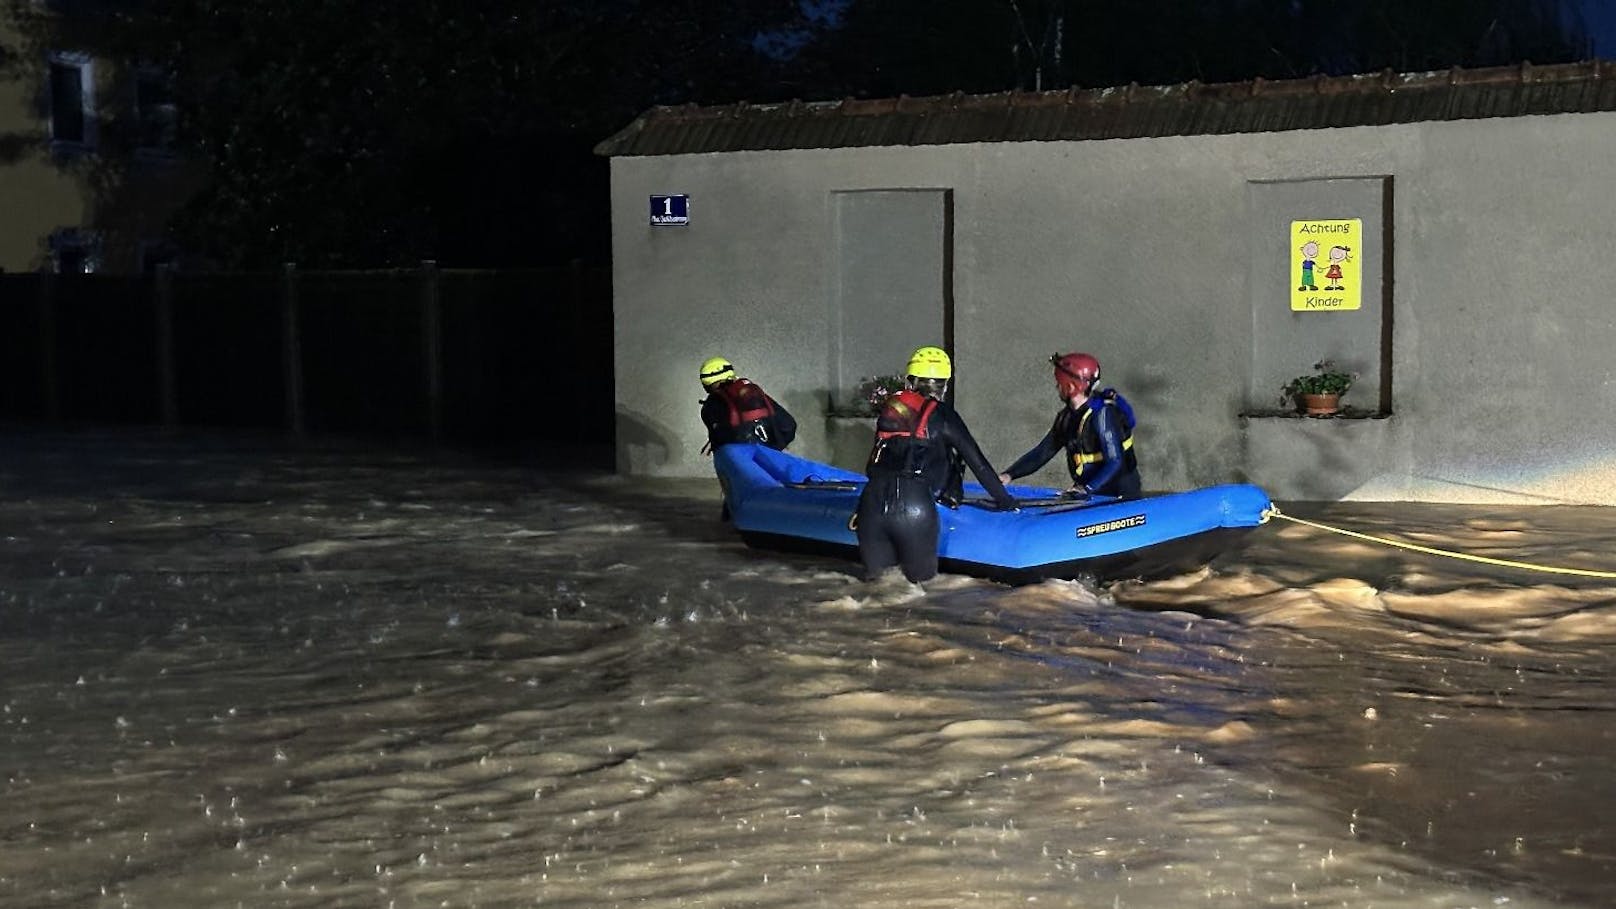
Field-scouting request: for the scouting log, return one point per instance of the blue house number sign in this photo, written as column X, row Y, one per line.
column 670, row 211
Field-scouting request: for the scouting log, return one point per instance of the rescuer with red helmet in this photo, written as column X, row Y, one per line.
column 1095, row 429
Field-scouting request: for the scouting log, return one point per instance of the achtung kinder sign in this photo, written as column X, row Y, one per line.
column 1327, row 265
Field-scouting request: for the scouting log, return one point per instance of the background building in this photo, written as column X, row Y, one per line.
column 88, row 170
column 1155, row 228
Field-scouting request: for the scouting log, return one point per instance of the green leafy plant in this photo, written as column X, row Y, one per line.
column 872, row 393
column 1325, row 379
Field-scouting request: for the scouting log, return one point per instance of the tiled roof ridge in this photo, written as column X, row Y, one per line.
column 1128, row 111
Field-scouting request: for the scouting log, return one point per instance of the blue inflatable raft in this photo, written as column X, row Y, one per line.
column 781, row 501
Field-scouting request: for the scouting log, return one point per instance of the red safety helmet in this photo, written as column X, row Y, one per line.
column 1075, row 374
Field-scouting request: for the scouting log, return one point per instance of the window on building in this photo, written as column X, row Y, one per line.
column 72, row 260
column 72, row 120
column 155, row 254
column 75, row 251
column 155, row 114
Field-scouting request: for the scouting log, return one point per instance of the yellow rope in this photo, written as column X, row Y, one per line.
column 1274, row 512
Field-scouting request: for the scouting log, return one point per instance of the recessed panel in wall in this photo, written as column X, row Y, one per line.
column 1320, row 273
column 891, row 290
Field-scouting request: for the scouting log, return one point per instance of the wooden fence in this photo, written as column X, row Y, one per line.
column 447, row 354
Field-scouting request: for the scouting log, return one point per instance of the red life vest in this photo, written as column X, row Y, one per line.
column 746, row 401
column 902, row 435
column 905, row 416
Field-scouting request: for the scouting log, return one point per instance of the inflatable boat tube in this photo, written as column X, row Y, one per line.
column 784, row 502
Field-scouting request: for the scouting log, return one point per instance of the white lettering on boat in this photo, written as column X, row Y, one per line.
column 1134, row 520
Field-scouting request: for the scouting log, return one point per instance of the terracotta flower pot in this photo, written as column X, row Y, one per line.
column 1319, row 405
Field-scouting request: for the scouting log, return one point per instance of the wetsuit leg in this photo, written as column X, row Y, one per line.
column 876, row 549
column 897, row 525
column 914, row 528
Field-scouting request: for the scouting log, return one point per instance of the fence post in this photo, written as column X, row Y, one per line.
column 432, row 346
column 291, row 350
column 50, row 384
column 164, row 286
column 575, row 314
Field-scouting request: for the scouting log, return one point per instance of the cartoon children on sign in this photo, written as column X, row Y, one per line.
column 1338, row 254
column 1310, row 258
column 1328, row 250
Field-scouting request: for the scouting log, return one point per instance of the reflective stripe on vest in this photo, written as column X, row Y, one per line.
column 1082, row 459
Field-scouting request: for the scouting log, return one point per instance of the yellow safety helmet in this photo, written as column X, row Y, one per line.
column 930, row 363
column 715, row 370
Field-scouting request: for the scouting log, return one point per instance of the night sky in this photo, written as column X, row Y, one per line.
column 1601, row 18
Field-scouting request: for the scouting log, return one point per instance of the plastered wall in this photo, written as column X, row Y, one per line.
column 1150, row 253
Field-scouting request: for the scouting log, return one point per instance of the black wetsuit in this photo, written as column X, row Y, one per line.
column 727, row 405
column 897, row 512
column 1093, row 438
column 739, row 410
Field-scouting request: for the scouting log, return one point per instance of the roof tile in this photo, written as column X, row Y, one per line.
column 1124, row 112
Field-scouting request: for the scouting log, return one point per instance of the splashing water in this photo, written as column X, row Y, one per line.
column 334, row 677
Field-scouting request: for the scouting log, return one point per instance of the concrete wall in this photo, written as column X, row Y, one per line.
column 1148, row 254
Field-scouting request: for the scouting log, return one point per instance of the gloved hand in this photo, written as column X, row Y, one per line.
column 1078, row 492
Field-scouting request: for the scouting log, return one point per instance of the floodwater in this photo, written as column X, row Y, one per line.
column 237, row 674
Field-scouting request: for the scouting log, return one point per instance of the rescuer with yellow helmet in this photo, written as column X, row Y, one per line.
column 921, row 448
column 738, row 410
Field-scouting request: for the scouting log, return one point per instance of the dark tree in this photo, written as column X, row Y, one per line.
column 341, row 132
column 1437, row 34
column 888, row 47
column 346, row 133
column 883, row 48
column 1114, row 42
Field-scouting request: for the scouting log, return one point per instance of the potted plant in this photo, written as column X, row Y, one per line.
column 850, row 422
column 872, row 393
column 1318, row 392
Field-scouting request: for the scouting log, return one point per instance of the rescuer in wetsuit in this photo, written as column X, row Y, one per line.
column 1095, row 428
column 920, row 444
column 738, row 410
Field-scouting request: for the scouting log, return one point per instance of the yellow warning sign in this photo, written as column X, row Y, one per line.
column 1327, row 265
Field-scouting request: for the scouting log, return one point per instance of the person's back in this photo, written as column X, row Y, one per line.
column 902, row 436
column 739, row 410
column 920, row 443
column 919, row 436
